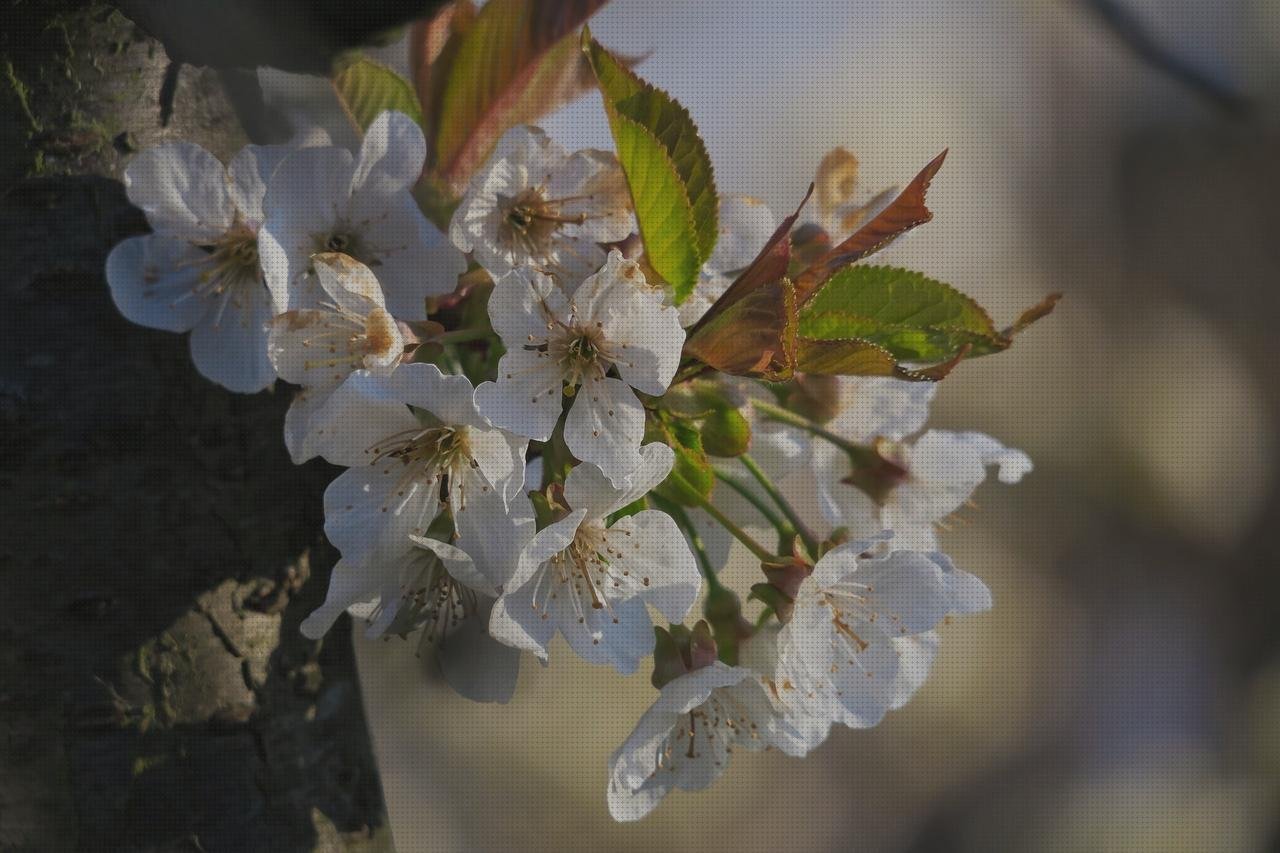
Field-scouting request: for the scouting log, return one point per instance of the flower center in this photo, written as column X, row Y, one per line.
column 433, row 601
column 715, row 725
column 230, row 271
column 878, row 470
column 233, row 261
column 530, row 219
column 349, row 242
column 345, row 340
column 429, row 456
column 582, row 354
column 590, row 573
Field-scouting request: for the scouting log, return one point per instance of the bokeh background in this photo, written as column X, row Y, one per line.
column 1124, row 694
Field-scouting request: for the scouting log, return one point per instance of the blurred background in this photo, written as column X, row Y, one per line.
column 1124, row 694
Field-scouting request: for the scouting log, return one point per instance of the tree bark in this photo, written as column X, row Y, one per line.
column 158, row 550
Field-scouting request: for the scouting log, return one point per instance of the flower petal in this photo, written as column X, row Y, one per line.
column 517, row 623
column 152, row 280
column 907, row 590
column 526, row 398
column 881, row 407
column 250, row 172
column 367, row 519
column 298, row 421
column 350, row 284
column 359, row 415
column 652, row 548
column 349, row 584
column 595, row 182
column 544, row 545
column 391, row 155
column 587, row 488
column 618, row 635
column 182, row 188
column 522, row 305
column 457, row 562
column 312, row 347
column 495, row 535
column 410, row 256
column 307, row 196
column 605, row 427
column 229, row 344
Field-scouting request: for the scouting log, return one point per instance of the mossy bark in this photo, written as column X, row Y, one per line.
column 158, row 549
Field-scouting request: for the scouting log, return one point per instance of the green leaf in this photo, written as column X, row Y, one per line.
column 912, row 316
column 667, row 169
column 511, row 63
column 365, row 89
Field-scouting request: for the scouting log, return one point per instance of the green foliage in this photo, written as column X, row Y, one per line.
column 667, row 169
column 365, row 89
column 912, row 316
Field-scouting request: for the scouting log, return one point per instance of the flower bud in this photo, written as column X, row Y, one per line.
column 725, row 432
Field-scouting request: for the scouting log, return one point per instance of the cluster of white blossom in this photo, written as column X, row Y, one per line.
column 314, row 266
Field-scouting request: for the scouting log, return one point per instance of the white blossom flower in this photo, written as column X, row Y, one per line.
column 590, row 581
column 444, row 594
column 559, row 345
column 685, row 740
column 916, row 485
column 199, row 271
column 406, row 438
column 858, row 641
column 535, row 205
column 319, row 347
column 746, row 224
column 324, row 200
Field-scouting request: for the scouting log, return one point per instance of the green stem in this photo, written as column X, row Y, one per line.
column 771, row 490
column 858, row 454
column 781, row 415
column 779, row 523
column 689, row 371
column 761, row 553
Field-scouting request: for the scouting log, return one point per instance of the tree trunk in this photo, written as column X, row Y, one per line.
column 158, row 549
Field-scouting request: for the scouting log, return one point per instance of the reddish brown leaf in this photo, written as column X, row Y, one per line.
column 1035, row 312
column 769, row 266
column 433, row 45
column 750, row 337
column 905, row 212
column 517, row 60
